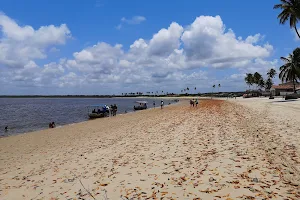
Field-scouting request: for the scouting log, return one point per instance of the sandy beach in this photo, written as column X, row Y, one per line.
column 223, row 149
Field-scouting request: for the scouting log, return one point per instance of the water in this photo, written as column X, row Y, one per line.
column 30, row 114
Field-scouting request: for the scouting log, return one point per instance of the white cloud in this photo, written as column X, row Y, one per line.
column 254, row 39
column 207, row 40
column 166, row 41
column 173, row 57
column 21, row 44
column 132, row 21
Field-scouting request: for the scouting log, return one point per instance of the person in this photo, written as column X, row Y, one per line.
column 50, row 125
column 111, row 110
column 191, row 103
column 115, row 109
column 107, row 111
column 196, row 101
column 6, row 128
column 153, row 104
column 94, row 111
column 53, row 125
column 161, row 104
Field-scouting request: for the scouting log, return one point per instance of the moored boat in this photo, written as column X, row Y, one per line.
column 142, row 105
column 98, row 111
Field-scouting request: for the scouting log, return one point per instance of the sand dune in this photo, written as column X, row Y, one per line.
column 235, row 149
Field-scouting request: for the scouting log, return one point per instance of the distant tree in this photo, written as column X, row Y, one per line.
column 249, row 79
column 271, row 73
column 257, row 79
column 269, row 82
column 290, row 71
column 261, row 83
column 290, row 11
column 219, row 87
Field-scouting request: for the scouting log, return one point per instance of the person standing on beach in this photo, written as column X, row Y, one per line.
column 115, row 109
column 111, row 110
column 153, row 104
column 162, row 104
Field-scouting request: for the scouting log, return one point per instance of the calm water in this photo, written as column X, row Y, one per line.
column 31, row 114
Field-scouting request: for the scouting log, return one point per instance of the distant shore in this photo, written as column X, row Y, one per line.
column 223, row 149
column 119, row 96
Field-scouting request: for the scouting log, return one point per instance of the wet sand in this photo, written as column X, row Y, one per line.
column 224, row 149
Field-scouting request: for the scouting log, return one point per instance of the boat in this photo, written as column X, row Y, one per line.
column 98, row 111
column 142, row 105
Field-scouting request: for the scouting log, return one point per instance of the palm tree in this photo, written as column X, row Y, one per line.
column 271, row 73
column 219, row 87
column 257, row 79
column 290, row 71
column 249, row 79
column 269, row 82
column 290, row 11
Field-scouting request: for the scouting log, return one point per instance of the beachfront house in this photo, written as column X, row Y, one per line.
column 284, row 89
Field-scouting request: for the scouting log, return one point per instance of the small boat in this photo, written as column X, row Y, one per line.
column 142, row 105
column 98, row 111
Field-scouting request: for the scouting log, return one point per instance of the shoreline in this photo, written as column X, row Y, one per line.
column 17, row 131
column 222, row 149
column 86, row 121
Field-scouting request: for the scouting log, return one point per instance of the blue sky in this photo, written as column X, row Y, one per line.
column 101, row 46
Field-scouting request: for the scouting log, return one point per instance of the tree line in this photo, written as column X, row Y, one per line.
column 290, row 70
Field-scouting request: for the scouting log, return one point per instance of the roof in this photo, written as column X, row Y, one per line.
column 97, row 105
column 141, row 102
column 285, row 87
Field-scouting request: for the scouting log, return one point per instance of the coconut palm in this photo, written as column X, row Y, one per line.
column 269, row 82
column 249, row 79
column 290, row 11
column 219, row 87
column 257, row 78
column 290, row 71
column 271, row 73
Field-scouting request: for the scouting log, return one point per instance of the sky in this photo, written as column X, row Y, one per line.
column 113, row 47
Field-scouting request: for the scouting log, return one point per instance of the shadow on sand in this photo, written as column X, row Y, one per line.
column 284, row 101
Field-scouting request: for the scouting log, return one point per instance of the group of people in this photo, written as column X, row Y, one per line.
column 106, row 110
column 52, row 125
column 194, row 102
column 113, row 110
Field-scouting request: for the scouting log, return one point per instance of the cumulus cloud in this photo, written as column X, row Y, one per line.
column 175, row 56
column 21, row 44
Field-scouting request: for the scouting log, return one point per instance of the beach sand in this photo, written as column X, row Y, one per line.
column 224, row 149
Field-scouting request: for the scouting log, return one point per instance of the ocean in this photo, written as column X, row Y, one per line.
column 23, row 115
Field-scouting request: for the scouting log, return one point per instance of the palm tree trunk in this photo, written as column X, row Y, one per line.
column 294, row 85
column 297, row 31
